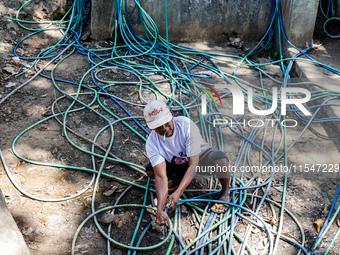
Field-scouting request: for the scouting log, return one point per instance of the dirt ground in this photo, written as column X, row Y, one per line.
column 48, row 227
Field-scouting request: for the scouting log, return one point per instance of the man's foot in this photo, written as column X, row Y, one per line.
column 221, row 208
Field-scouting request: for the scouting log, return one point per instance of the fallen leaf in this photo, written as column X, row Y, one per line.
column 81, row 247
column 272, row 220
column 10, row 69
column 276, row 199
column 43, row 96
column 94, row 106
column 127, row 139
column 10, row 84
column 110, row 191
column 109, row 167
column 27, row 74
column 16, row 59
column 120, row 223
column 315, row 199
column 290, row 236
column 324, row 211
column 318, row 223
column 42, row 128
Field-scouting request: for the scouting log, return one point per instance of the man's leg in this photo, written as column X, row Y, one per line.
column 149, row 171
column 174, row 178
column 224, row 179
column 175, row 174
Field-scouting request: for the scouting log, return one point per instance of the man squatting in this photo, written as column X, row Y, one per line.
column 175, row 148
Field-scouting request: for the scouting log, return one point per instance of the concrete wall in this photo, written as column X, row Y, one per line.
column 299, row 18
column 102, row 19
column 11, row 240
column 210, row 19
column 337, row 10
column 213, row 19
column 193, row 19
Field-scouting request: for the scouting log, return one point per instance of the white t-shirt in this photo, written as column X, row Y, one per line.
column 186, row 141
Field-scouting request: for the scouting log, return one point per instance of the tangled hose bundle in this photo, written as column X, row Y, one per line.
column 183, row 76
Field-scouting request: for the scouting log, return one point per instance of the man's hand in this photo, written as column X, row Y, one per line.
column 173, row 201
column 161, row 217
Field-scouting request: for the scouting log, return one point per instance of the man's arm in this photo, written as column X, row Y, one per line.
column 161, row 185
column 189, row 175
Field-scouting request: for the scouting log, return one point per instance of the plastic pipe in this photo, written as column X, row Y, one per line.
column 332, row 27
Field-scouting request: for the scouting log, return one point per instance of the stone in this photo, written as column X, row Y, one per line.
column 106, row 219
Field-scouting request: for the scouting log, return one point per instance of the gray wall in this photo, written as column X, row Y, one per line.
column 210, row 19
column 337, row 10
column 299, row 18
column 11, row 239
column 215, row 20
column 192, row 19
column 102, row 19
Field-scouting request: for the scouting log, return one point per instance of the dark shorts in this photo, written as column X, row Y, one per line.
column 178, row 171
